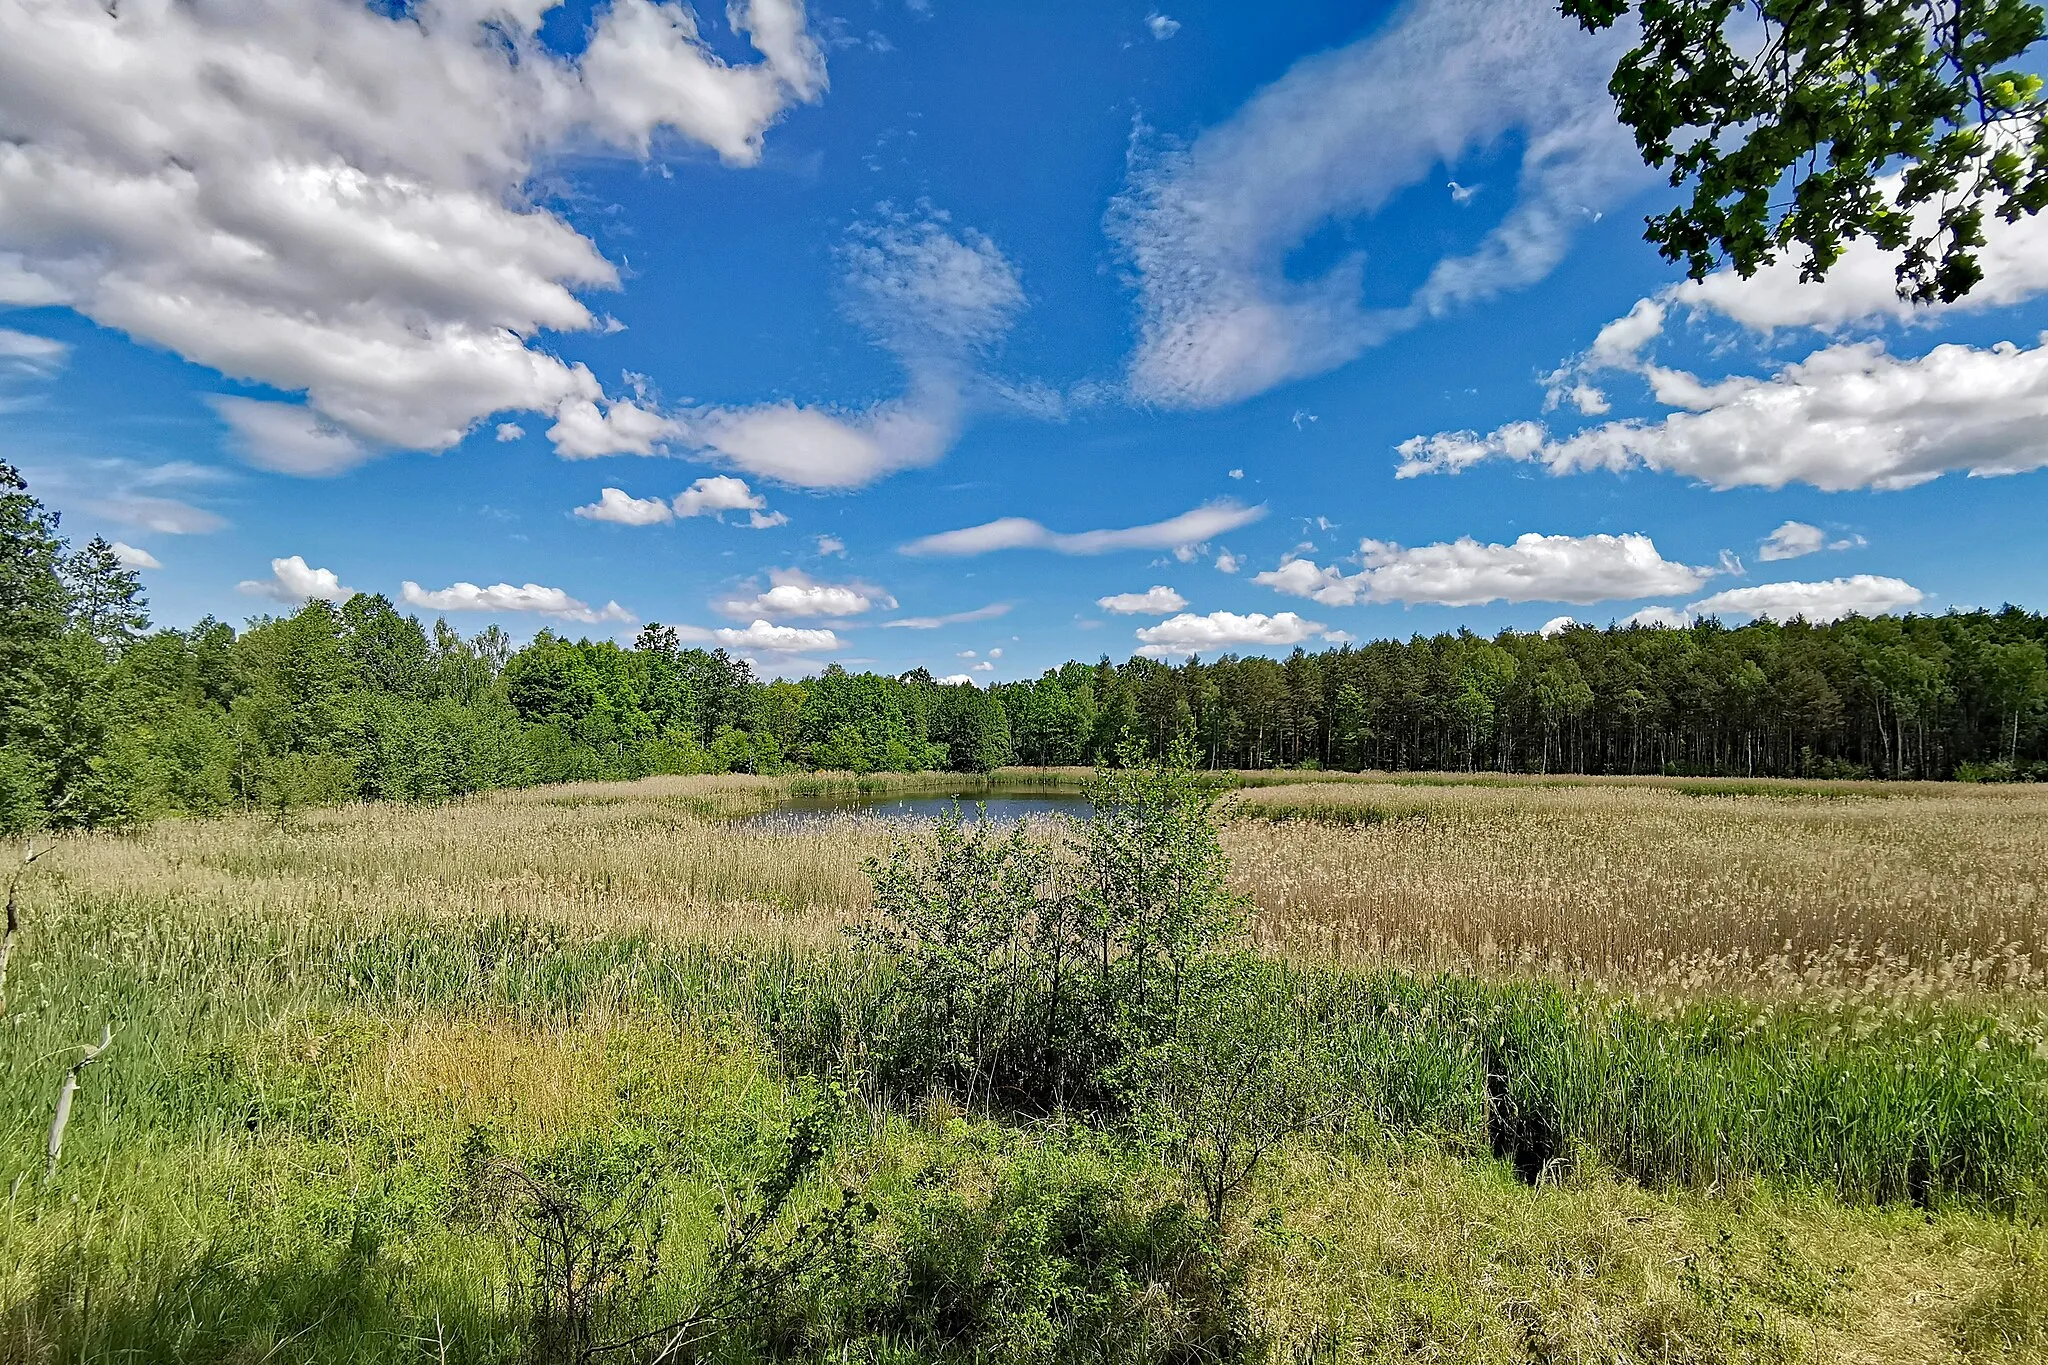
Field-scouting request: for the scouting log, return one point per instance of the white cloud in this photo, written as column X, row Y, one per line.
column 1339, row 637
column 1666, row 618
column 1465, row 573
column 761, row 521
column 1162, row 27
column 935, row 297
column 1021, row 533
column 1226, row 562
column 956, row 680
column 1209, row 229
column 293, row 581
column 1556, row 625
column 288, row 438
column 792, row 592
column 1237, row 473
column 132, row 557
column 133, row 493
column 830, row 545
column 776, row 639
column 1862, row 286
column 510, row 431
column 618, row 506
column 715, row 494
column 31, row 354
column 1849, row 416
column 1861, row 594
column 1191, row 634
column 330, row 199
column 504, row 597
column 983, row 667
column 823, row 447
column 1796, row 538
column 958, row 618
column 1154, row 601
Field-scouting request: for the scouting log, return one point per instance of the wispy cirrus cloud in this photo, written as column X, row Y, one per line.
column 937, row 296
column 1208, row 228
column 1192, row 527
column 957, row 618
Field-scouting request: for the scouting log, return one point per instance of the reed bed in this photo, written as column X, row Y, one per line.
column 1670, row 887
column 1927, row 891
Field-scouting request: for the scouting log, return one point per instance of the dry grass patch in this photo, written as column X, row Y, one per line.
column 1932, row 891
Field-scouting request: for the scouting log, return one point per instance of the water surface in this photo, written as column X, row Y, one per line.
column 996, row 805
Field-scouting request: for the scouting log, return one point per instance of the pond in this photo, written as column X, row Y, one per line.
column 997, row 805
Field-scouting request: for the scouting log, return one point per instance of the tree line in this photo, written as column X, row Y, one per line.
column 104, row 720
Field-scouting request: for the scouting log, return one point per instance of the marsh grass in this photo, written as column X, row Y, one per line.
column 1743, row 1041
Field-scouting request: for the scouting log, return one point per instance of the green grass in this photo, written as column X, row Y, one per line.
column 267, row 1163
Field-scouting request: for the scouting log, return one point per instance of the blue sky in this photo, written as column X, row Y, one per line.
column 970, row 336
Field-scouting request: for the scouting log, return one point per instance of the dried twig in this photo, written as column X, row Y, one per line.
column 62, row 1118
column 14, row 915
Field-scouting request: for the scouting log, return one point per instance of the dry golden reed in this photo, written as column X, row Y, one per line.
column 1769, row 889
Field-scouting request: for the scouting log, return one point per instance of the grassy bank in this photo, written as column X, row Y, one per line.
column 1566, row 1155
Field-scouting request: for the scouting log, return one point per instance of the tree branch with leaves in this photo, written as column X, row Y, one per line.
column 1813, row 123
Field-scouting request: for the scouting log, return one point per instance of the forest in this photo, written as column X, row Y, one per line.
column 105, row 720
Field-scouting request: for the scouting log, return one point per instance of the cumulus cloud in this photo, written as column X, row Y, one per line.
column 331, row 198
column 621, row 508
column 1465, row 573
column 1848, row 416
column 774, row 639
column 1209, row 229
column 504, row 597
column 293, row 581
column 133, row 557
column 1862, row 286
column 792, row 592
column 1860, row 594
column 938, row 298
column 1162, row 26
column 1663, row 618
column 1556, row 625
column 1226, row 562
column 1156, row 600
column 715, row 494
column 828, row 546
column 1796, row 538
column 1191, row 634
column 957, row 618
column 510, row 431
column 1021, row 533
column 957, row 680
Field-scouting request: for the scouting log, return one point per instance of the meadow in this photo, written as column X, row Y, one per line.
column 1624, row 1071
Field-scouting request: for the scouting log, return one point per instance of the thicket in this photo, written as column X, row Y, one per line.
column 104, row 721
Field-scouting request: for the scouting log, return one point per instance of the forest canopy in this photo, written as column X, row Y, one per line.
column 105, row 720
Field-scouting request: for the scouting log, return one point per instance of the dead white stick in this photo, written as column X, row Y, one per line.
column 14, row 917
column 62, row 1119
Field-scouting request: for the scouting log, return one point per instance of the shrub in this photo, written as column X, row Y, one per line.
column 1036, row 976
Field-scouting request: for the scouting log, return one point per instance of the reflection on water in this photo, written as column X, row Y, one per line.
column 997, row 806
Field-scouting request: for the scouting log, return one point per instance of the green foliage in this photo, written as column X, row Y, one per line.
column 1057, row 1255
column 1025, row 976
column 1904, row 121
